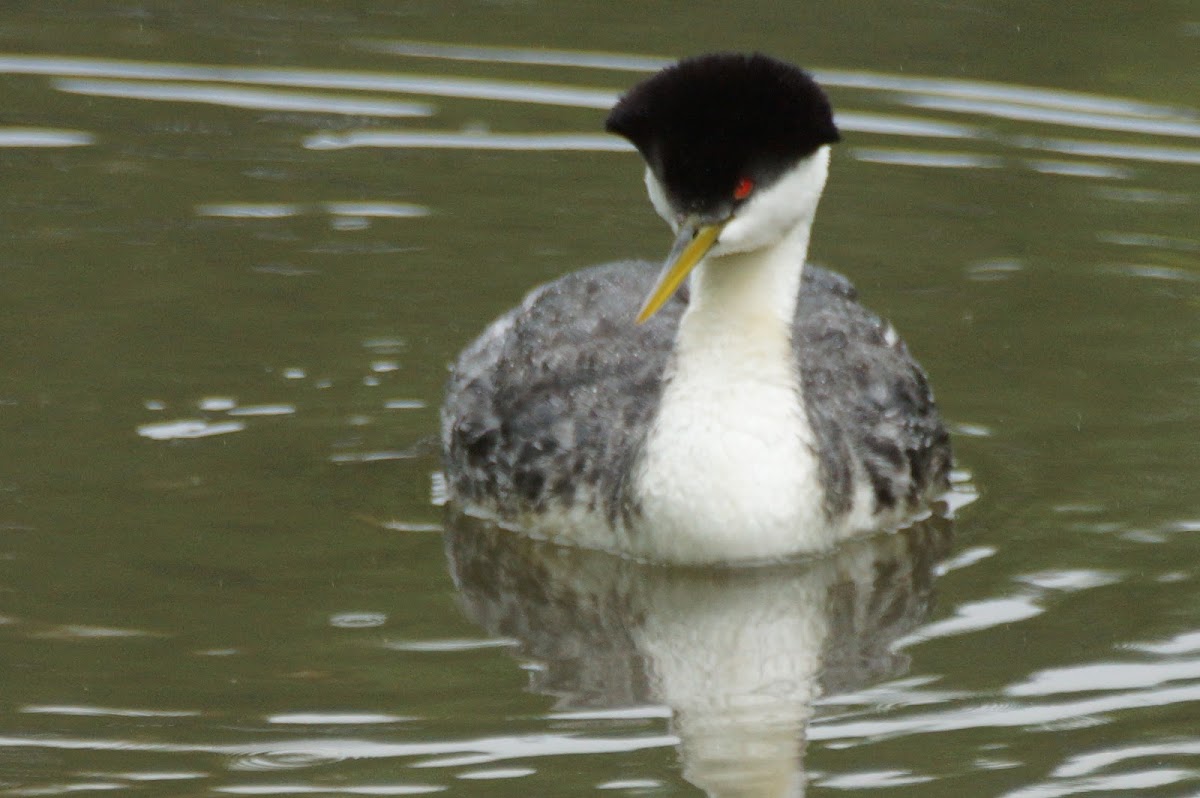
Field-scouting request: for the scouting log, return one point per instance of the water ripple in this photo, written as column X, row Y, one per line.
column 936, row 160
column 1122, row 152
column 993, row 715
column 284, row 210
column 1105, row 676
column 1120, row 783
column 497, row 773
column 1069, row 580
column 249, row 210
column 1187, row 128
column 155, row 775
column 519, row 55
column 61, row 789
column 340, row 789
column 264, row 410
column 429, row 139
column 105, row 712
column 869, row 779
column 893, row 125
column 629, row 784
column 234, row 97
column 358, row 620
column 335, row 718
column 975, row 616
column 358, row 458
column 382, row 210
column 44, row 137
column 303, row 752
column 997, row 92
column 468, row 88
column 1185, row 643
column 1079, row 169
column 1086, row 764
column 442, row 646
column 188, row 428
column 282, row 760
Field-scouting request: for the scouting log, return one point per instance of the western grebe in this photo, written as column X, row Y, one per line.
column 755, row 413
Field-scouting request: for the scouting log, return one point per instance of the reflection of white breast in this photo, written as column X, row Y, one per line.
column 738, row 667
column 737, row 654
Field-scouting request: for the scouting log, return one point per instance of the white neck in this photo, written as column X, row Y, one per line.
column 750, row 294
column 729, row 470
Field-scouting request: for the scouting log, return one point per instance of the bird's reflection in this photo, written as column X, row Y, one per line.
column 738, row 655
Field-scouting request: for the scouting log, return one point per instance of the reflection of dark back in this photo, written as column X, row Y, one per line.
column 738, row 655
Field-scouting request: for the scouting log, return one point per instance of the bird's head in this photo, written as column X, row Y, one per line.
column 736, row 149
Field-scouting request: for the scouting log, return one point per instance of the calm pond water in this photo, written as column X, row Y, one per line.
column 241, row 241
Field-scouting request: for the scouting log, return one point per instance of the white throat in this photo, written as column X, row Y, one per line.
column 729, row 470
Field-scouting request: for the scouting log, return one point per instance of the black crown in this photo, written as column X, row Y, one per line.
column 709, row 121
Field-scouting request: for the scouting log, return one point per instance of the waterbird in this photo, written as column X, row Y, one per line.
column 738, row 407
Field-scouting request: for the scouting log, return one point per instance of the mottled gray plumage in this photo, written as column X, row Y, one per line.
column 550, row 406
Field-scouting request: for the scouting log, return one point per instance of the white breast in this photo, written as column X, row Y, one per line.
column 729, row 469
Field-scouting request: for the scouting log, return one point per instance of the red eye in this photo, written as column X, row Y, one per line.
column 743, row 188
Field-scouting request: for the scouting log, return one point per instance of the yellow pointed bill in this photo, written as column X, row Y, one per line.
column 690, row 247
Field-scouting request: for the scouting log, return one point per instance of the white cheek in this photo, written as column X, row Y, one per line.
column 658, row 198
column 748, row 231
column 776, row 210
